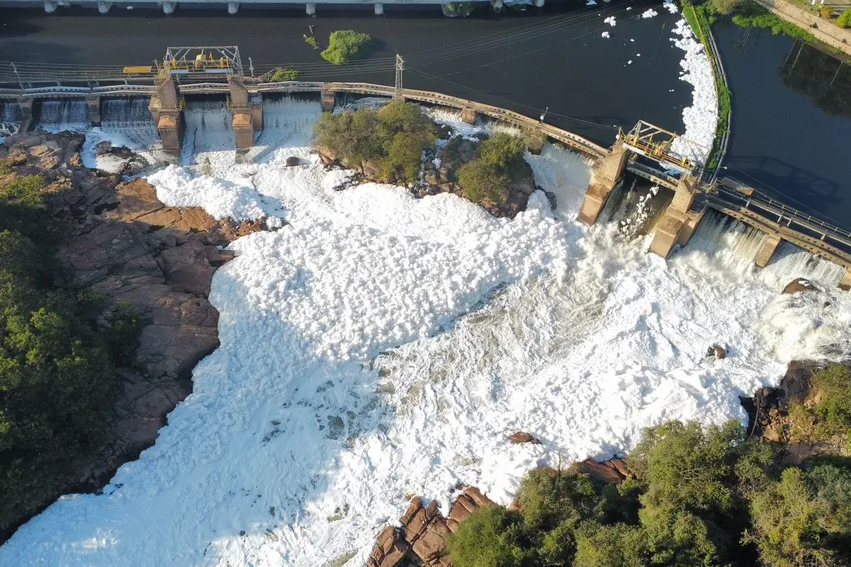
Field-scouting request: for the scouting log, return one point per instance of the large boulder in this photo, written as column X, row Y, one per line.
column 799, row 285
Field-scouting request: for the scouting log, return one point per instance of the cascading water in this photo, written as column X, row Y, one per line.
column 208, row 128
column 60, row 115
column 637, row 205
column 10, row 118
column 130, row 117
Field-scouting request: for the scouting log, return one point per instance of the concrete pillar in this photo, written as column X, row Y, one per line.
column 170, row 128
column 154, row 107
column 233, row 8
column 168, row 95
column 667, row 232
column 693, row 219
column 379, row 9
column 94, row 109
column 772, row 241
column 243, row 130
column 238, row 93
column 168, row 7
column 310, row 9
column 607, row 173
column 846, row 280
column 26, row 106
column 256, row 104
column 103, row 7
column 50, row 6
column 328, row 101
column 468, row 115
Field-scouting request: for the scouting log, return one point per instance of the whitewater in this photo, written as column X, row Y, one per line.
column 376, row 346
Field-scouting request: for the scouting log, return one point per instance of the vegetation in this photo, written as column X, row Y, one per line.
column 844, row 19
column 345, row 45
column 392, row 139
column 699, row 496
column 56, row 365
column 749, row 13
column 311, row 41
column 827, row 418
column 281, row 74
column 489, row 176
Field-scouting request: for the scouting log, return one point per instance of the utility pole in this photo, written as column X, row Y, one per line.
column 400, row 66
column 251, row 67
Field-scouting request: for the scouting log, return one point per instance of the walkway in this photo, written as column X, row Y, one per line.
column 826, row 32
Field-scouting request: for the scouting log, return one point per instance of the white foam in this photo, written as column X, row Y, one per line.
column 670, row 6
column 611, row 21
column 297, row 444
column 701, row 118
column 649, row 13
column 605, row 35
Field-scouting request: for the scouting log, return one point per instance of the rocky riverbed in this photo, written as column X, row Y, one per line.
column 128, row 248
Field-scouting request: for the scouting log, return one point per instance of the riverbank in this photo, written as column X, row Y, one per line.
column 823, row 31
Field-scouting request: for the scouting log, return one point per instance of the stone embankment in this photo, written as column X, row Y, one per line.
column 824, row 31
column 127, row 247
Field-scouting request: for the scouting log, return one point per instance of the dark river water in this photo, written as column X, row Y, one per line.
column 787, row 136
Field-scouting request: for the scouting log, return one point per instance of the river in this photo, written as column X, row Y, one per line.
column 552, row 59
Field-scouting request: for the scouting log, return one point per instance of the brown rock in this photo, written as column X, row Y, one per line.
column 522, row 437
column 292, row 161
column 619, row 466
column 716, row 351
column 799, row 285
column 599, row 472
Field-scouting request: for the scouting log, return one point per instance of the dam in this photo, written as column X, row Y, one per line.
column 645, row 151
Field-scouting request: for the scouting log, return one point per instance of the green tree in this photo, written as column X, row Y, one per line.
column 490, row 537
column 804, row 518
column 617, row 545
column 345, row 45
column 844, row 19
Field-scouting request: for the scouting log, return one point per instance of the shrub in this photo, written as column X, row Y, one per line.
column 825, row 12
column 833, row 410
column 804, row 518
column 123, row 332
column 280, row 75
column 490, row 537
column 725, row 6
column 480, row 181
column 686, row 466
column 503, row 151
column 5, row 167
column 678, row 538
column 549, row 498
column 844, row 19
column 617, row 545
column 345, row 45
column 311, row 41
column 393, row 138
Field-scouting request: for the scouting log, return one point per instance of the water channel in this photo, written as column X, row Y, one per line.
column 791, row 120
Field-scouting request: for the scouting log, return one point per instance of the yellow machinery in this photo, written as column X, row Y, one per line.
column 655, row 143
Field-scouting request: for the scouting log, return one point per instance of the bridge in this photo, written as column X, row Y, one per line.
column 646, row 151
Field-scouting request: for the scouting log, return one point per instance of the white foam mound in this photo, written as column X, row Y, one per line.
column 611, row 21
column 605, row 35
column 670, row 6
column 701, row 118
column 300, row 440
column 649, row 13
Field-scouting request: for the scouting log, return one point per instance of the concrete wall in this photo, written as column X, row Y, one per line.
column 232, row 6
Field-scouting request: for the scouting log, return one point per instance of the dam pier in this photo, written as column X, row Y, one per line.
column 647, row 151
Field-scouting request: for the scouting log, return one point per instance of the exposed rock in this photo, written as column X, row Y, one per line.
column 292, row 161
column 716, row 351
column 522, row 437
column 799, row 285
column 424, row 532
column 613, row 471
column 128, row 247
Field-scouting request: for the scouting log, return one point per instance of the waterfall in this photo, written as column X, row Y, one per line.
column 208, row 128
column 637, row 205
column 734, row 245
column 130, row 117
column 10, row 118
column 59, row 115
